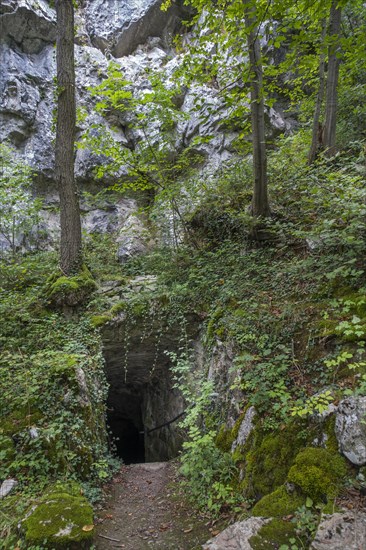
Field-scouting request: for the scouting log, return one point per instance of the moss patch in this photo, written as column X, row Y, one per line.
column 274, row 534
column 224, row 439
column 60, row 520
column 269, row 459
column 318, row 473
column 71, row 291
column 118, row 308
column 278, row 504
column 99, row 320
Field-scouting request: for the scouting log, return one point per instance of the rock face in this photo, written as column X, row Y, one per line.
column 236, row 537
column 341, row 531
column 119, row 27
column 350, row 429
column 27, row 25
column 245, row 429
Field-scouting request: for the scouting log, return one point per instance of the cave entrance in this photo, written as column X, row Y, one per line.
column 128, row 439
column 141, row 421
column 126, row 427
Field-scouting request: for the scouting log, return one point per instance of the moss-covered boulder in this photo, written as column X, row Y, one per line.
column 61, row 519
column 70, row 291
column 318, row 473
column 275, row 534
column 280, row 503
column 267, row 458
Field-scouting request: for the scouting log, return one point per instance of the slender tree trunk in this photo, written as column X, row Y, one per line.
column 332, row 80
column 70, row 247
column 316, row 141
column 260, row 203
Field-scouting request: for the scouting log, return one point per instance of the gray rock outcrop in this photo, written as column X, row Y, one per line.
column 27, row 25
column 135, row 35
column 245, row 429
column 341, row 531
column 119, row 27
column 236, row 537
column 350, row 429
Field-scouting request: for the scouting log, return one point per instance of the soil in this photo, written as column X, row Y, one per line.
column 143, row 510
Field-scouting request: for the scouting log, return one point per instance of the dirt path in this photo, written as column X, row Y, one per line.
column 142, row 512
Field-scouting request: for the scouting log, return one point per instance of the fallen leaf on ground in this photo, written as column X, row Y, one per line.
column 88, row 528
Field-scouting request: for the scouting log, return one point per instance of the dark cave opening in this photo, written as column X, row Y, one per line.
column 127, row 438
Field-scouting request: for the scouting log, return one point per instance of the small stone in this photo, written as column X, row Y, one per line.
column 7, row 486
column 34, row 433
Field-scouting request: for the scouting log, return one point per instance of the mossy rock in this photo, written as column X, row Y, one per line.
column 278, row 504
column 71, row 291
column 268, row 458
column 224, row 439
column 275, row 534
column 318, row 472
column 119, row 307
column 60, row 520
column 98, row 321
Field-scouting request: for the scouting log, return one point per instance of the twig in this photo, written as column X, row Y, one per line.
column 109, row 538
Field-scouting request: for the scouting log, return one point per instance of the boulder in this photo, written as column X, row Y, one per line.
column 119, row 27
column 62, row 517
column 350, row 429
column 236, row 537
column 341, row 531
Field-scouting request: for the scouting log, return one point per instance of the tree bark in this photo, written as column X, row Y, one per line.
column 316, row 141
column 330, row 124
column 260, row 202
column 70, row 245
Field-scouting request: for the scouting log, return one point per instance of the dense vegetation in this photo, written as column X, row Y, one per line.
column 285, row 292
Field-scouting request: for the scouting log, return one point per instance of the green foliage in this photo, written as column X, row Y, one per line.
column 208, row 471
column 53, row 391
column 18, row 209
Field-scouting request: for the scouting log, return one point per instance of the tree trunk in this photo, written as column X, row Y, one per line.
column 316, row 142
column 332, row 80
column 260, row 203
column 70, row 246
